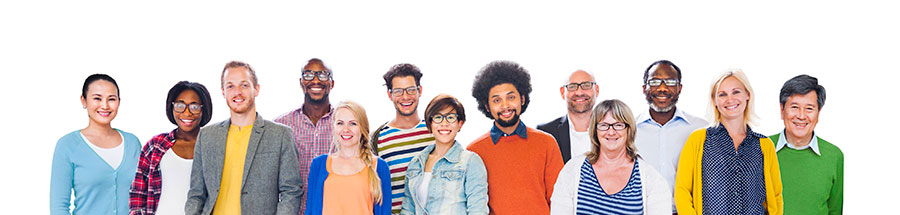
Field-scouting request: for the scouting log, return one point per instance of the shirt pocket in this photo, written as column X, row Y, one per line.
column 452, row 180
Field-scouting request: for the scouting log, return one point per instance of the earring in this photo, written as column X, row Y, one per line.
column 83, row 107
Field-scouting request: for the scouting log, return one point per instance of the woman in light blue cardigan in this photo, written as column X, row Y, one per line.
column 98, row 162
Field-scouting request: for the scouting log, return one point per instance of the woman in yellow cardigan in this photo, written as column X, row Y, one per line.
column 728, row 168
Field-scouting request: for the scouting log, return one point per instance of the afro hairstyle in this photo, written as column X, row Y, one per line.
column 501, row 72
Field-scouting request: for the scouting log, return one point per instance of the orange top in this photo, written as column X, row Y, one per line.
column 347, row 194
column 521, row 172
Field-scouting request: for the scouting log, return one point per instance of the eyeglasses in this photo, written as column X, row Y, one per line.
column 308, row 75
column 438, row 118
column 587, row 85
column 409, row 90
column 179, row 107
column 617, row 126
column 657, row 82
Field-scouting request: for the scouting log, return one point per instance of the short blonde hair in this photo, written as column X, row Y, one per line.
column 749, row 115
column 620, row 112
column 365, row 153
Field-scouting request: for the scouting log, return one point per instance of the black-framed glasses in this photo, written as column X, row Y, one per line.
column 617, row 126
column 587, row 85
column 438, row 118
column 179, row 107
column 656, row 82
column 324, row 75
column 409, row 90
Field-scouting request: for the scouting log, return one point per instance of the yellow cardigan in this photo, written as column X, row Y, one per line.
column 689, row 185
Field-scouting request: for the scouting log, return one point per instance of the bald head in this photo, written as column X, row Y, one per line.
column 579, row 91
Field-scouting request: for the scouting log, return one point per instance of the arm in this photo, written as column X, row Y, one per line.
column 407, row 207
column 684, row 178
column 289, row 185
column 61, row 179
column 313, row 185
column 774, row 173
column 384, row 208
column 137, row 202
column 553, row 166
column 659, row 197
column 563, row 200
column 836, row 200
column 197, row 194
column 476, row 186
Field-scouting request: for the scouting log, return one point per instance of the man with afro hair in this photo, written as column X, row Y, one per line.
column 522, row 162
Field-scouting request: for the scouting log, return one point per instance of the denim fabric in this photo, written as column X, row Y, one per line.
column 458, row 186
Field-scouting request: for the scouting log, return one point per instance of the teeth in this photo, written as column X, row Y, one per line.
column 187, row 120
column 444, row 131
column 238, row 100
column 315, row 88
column 346, row 137
column 406, row 104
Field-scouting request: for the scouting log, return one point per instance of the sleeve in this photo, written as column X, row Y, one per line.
column 61, row 179
column 197, row 194
column 684, row 178
column 774, row 171
column 659, row 197
column 836, row 200
column 562, row 202
column 313, row 172
column 407, row 207
column 553, row 166
column 384, row 208
column 137, row 201
column 289, row 184
column 476, row 186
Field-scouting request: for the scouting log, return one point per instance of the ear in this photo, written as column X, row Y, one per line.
column 390, row 97
column 781, row 110
column 596, row 89
column 420, row 90
column 332, row 85
column 256, row 92
column 562, row 92
column 83, row 101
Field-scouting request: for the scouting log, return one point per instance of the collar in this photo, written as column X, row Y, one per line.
column 720, row 129
column 679, row 115
column 813, row 143
column 451, row 156
column 326, row 115
column 496, row 133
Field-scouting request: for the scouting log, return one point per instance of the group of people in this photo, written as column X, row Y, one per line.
column 323, row 159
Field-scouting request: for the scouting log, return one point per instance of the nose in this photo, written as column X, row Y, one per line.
column 802, row 115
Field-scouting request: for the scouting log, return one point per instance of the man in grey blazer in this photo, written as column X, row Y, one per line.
column 265, row 178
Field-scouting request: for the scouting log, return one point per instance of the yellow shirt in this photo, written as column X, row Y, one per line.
column 229, row 199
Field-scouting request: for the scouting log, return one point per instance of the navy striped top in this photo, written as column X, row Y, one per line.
column 592, row 199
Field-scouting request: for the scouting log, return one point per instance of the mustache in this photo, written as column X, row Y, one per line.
column 667, row 94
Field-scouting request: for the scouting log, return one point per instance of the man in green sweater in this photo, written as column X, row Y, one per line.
column 812, row 169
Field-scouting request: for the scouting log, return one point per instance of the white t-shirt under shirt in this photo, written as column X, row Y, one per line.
column 579, row 142
column 423, row 188
column 176, row 177
column 112, row 156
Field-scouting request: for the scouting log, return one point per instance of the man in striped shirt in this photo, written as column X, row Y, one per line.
column 311, row 123
column 399, row 140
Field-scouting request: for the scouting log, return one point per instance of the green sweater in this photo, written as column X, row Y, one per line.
column 812, row 184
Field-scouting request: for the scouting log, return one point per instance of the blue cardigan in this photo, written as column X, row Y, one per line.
column 318, row 173
column 99, row 188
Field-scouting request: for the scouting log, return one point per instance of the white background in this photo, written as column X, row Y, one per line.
column 47, row 49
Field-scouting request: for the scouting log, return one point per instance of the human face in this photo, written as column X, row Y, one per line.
column 611, row 139
column 580, row 100
column 187, row 120
column 405, row 104
column 346, row 129
column 505, row 104
column 445, row 132
column 800, row 114
column 662, row 98
column 239, row 91
column 731, row 99
column 102, row 102
column 316, row 90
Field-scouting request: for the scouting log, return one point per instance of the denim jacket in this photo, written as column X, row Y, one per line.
column 458, row 185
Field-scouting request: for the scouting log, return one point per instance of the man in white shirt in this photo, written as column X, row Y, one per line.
column 571, row 130
column 663, row 129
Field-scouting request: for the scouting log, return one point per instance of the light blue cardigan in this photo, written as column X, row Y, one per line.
column 318, row 173
column 99, row 189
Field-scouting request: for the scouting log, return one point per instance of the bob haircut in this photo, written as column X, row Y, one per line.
column 365, row 153
column 201, row 91
column 621, row 113
column 501, row 72
column 441, row 102
column 749, row 115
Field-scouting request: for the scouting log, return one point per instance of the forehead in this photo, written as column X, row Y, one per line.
column 316, row 66
column 663, row 71
column 580, row 76
column 808, row 98
column 403, row 81
column 188, row 94
column 344, row 114
column 608, row 117
column 730, row 83
column 237, row 74
column 102, row 87
column 503, row 89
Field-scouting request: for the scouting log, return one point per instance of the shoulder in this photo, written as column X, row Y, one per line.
column 69, row 140
column 648, row 169
column 478, row 142
column 286, row 117
column 695, row 120
column 319, row 160
column 827, row 147
column 551, row 124
column 382, row 165
column 539, row 135
column 129, row 137
column 215, row 127
column 271, row 125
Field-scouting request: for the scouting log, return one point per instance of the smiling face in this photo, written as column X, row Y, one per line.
column 662, row 98
column 239, row 91
column 187, row 120
column 800, row 114
column 346, row 129
column 505, row 104
column 102, row 102
column 580, row 100
column 445, row 132
column 731, row 99
column 316, row 90
column 405, row 104
column 611, row 139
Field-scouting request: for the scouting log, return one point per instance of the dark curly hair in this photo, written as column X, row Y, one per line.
column 401, row 70
column 501, row 72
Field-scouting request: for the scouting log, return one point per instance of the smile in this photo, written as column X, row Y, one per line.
column 104, row 113
column 444, row 132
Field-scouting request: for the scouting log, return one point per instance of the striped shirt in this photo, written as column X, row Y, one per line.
column 397, row 147
column 733, row 180
column 592, row 199
column 312, row 140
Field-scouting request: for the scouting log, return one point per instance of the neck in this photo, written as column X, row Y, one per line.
column 662, row 117
column 406, row 122
column 581, row 121
column 798, row 141
column 507, row 130
column 316, row 109
column 440, row 149
column 613, row 157
column 243, row 119
column 186, row 136
column 735, row 126
column 348, row 152
column 100, row 129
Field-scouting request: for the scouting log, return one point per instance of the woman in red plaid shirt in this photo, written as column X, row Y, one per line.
column 188, row 106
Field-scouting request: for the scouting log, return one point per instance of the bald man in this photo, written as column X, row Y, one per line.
column 571, row 130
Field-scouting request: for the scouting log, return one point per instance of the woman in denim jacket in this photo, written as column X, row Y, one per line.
column 445, row 178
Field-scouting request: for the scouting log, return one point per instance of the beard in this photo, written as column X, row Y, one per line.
column 242, row 109
column 405, row 113
column 581, row 108
column 672, row 97
column 317, row 101
column 508, row 123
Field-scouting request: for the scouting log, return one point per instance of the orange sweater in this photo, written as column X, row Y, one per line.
column 521, row 172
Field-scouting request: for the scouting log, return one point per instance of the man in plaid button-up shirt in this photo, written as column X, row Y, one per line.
column 311, row 123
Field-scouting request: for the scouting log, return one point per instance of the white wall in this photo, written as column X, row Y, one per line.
column 48, row 49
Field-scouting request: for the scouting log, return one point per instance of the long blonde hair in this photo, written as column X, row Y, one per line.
column 749, row 115
column 365, row 153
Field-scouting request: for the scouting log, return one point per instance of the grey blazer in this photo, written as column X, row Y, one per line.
column 271, row 181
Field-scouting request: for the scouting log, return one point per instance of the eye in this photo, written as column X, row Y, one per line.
column 339, row 123
column 112, row 99
column 353, row 123
column 245, row 85
column 228, row 86
column 511, row 97
column 722, row 94
column 496, row 100
column 97, row 99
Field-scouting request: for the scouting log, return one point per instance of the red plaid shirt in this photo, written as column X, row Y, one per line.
column 147, row 184
column 312, row 140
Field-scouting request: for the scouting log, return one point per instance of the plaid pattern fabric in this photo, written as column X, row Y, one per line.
column 312, row 140
column 147, row 184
